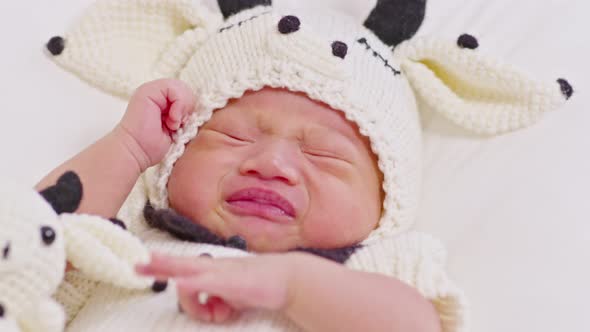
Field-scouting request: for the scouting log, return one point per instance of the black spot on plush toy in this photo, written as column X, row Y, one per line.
column 65, row 196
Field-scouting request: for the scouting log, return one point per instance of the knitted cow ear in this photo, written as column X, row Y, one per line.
column 232, row 7
column 104, row 251
column 118, row 45
column 475, row 92
column 394, row 21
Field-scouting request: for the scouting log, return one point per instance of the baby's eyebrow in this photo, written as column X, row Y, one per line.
column 311, row 131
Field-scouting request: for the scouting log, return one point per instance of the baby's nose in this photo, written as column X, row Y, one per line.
column 6, row 251
column 274, row 162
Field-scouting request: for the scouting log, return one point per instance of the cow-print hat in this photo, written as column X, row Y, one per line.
column 372, row 71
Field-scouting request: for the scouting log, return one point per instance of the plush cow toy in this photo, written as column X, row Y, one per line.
column 38, row 234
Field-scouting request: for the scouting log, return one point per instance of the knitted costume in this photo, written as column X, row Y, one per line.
column 372, row 73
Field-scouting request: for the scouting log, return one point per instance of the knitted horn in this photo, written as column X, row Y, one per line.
column 394, row 21
column 232, row 7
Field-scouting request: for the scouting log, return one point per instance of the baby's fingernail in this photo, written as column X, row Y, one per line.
column 203, row 298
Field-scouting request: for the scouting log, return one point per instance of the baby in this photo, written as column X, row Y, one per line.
column 282, row 172
column 294, row 136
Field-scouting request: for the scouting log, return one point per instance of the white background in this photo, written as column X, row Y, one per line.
column 513, row 211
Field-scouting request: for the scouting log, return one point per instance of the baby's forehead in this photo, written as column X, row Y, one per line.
column 270, row 107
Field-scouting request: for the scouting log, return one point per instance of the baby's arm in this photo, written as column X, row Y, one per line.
column 110, row 167
column 325, row 296
column 317, row 294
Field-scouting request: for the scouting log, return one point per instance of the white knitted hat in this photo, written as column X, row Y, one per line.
column 371, row 73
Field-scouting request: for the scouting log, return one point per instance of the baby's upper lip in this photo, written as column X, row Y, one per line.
column 264, row 196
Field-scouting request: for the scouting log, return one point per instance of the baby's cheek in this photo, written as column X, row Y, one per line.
column 338, row 223
column 190, row 191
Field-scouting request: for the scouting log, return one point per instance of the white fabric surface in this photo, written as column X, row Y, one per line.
column 512, row 210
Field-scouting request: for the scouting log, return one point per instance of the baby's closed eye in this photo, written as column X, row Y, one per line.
column 328, row 146
column 325, row 154
column 228, row 136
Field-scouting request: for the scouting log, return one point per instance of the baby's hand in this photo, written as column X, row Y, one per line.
column 156, row 110
column 232, row 284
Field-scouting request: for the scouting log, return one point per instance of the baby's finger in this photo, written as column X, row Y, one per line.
column 218, row 310
column 171, row 267
column 182, row 99
column 172, row 124
column 211, row 284
column 191, row 307
column 176, row 111
column 221, row 312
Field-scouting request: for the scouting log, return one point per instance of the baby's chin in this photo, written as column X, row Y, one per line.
column 263, row 235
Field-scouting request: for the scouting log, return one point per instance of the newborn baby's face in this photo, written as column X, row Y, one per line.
column 281, row 171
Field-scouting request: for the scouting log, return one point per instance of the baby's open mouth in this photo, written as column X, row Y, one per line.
column 261, row 203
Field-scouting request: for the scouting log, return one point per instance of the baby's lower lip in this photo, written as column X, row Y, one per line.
column 257, row 209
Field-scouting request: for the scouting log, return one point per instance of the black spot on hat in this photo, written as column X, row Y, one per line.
column 339, row 49
column 289, row 24
column 1, row 311
column 394, row 21
column 566, row 88
column 56, row 45
column 468, row 41
column 6, row 251
column 232, row 7
column 159, row 286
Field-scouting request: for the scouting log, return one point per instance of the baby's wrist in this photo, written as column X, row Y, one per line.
column 132, row 146
column 297, row 262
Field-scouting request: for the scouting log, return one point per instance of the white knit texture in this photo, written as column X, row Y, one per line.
column 162, row 33
column 479, row 94
column 74, row 292
column 114, row 251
